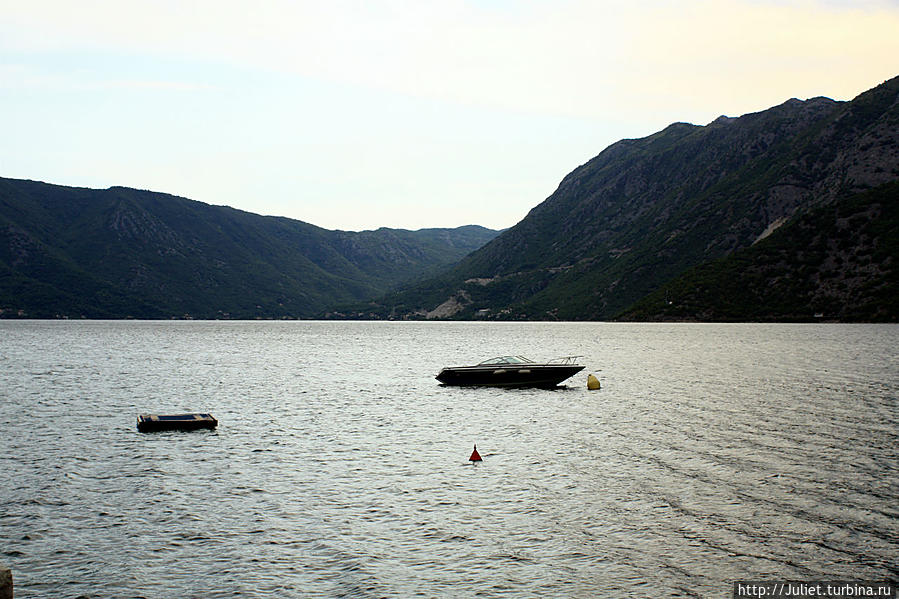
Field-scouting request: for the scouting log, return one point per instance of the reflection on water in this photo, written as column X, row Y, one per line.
column 712, row 453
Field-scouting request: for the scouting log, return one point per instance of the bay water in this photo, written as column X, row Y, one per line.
column 712, row 453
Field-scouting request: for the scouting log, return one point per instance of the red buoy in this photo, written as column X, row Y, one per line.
column 475, row 456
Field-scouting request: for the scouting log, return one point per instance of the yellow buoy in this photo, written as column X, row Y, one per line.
column 592, row 382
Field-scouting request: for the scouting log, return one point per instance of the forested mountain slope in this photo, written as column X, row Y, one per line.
column 119, row 252
column 645, row 211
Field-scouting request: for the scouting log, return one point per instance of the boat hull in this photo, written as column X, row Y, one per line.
column 545, row 376
column 148, row 423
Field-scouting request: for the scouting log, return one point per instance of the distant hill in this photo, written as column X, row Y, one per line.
column 646, row 211
column 125, row 253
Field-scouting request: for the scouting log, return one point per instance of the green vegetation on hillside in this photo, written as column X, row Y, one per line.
column 834, row 262
column 645, row 211
column 783, row 214
column 125, row 253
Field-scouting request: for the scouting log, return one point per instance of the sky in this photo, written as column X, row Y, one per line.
column 353, row 115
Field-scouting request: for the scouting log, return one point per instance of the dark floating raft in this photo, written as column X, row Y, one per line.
column 147, row 423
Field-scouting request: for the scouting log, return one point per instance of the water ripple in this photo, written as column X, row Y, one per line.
column 713, row 453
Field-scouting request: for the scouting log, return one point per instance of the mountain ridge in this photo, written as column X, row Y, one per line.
column 121, row 252
column 644, row 211
column 797, row 201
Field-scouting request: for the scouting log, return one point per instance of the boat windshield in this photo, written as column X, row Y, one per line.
column 565, row 360
column 508, row 360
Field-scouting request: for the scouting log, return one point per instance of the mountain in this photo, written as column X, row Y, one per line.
column 836, row 262
column 646, row 211
column 119, row 252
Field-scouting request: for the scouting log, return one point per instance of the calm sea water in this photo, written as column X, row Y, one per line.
column 712, row 453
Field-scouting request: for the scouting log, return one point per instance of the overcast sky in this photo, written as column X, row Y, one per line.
column 362, row 114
